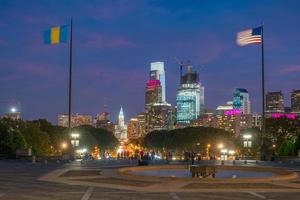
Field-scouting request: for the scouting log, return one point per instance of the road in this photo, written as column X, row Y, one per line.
column 19, row 181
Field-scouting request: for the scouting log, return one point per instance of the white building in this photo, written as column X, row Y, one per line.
column 121, row 128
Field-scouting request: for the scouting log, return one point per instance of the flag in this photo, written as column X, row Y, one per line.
column 250, row 36
column 56, row 35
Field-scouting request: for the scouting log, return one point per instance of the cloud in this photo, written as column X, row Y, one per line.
column 290, row 69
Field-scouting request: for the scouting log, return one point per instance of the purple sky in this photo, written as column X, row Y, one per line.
column 115, row 41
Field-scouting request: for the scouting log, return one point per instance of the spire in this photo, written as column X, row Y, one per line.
column 121, row 111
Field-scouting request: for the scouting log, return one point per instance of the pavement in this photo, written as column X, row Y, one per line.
column 22, row 180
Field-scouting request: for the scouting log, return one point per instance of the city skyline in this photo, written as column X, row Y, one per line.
column 37, row 79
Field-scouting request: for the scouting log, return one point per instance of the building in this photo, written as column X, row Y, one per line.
column 257, row 120
column 205, row 120
column 241, row 100
column 102, row 121
column 120, row 127
column 76, row 120
column 159, row 117
column 142, row 123
column 153, row 92
column 13, row 115
column 234, row 122
column 295, row 101
column 222, row 108
column 190, row 98
column 274, row 102
column 157, row 72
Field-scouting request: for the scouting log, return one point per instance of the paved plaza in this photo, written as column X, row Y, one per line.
column 24, row 180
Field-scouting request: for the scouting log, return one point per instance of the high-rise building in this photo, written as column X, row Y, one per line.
column 190, row 98
column 159, row 75
column 274, row 102
column 295, row 101
column 13, row 115
column 223, row 108
column 121, row 128
column 153, row 92
column 142, row 123
column 241, row 100
column 159, row 117
column 76, row 120
column 102, row 121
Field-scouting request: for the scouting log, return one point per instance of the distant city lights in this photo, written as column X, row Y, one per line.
column 232, row 112
column 282, row 115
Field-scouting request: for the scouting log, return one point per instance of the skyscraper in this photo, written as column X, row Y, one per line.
column 274, row 102
column 160, row 75
column 295, row 101
column 121, row 128
column 241, row 100
column 153, row 92
column 190, row 97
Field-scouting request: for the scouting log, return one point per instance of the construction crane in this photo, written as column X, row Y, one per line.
column 182, row 64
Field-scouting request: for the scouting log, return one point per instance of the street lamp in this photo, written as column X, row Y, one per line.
column 224, row 154
column 220, row 146
column 207, row 149
column 247, row 140
column 64, row 145
column 13, row 110
column 74, row 139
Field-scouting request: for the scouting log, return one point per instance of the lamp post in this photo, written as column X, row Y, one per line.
column 224, row 154
column 13, row 109
column 207, row 150
column 75, row 139
column 247, row 141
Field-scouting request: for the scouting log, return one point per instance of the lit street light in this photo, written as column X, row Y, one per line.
column 220, row 146
column 64, row 145
column 247, row 141
column 13, row 110
column 74, row 139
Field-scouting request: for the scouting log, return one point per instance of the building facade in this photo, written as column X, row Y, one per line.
column 295, row 101
column 241, row 100
column 102, row 121
column 120, row 127
column 159, row 69
column 274, row 102
column 190, row 98
column 76, row 120
column 153, row 92
column 159, row 117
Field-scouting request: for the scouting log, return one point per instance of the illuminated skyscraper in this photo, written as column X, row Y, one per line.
column 190, row 98
column 153, row 92
column 241, row 100
column 160, row 75
column 295, row 101
column 121, row 128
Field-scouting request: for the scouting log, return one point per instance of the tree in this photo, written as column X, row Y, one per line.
column 38, row 140
column 10, row 137
column 91, row 137
column 187, row 139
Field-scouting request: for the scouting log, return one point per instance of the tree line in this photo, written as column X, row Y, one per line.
column 45, row 139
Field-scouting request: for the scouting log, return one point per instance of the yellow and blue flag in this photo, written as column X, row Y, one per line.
column 56, row 35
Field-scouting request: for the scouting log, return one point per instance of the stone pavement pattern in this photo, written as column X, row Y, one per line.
column 19, row 181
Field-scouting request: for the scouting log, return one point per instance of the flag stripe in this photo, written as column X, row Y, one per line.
column 249, row 36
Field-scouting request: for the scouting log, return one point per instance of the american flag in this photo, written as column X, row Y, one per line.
column 250, row 36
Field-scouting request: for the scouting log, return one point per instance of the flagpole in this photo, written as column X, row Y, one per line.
column 70, row 76
column 263, row 127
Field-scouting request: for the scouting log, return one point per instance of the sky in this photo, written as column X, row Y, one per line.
column 114, row 42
